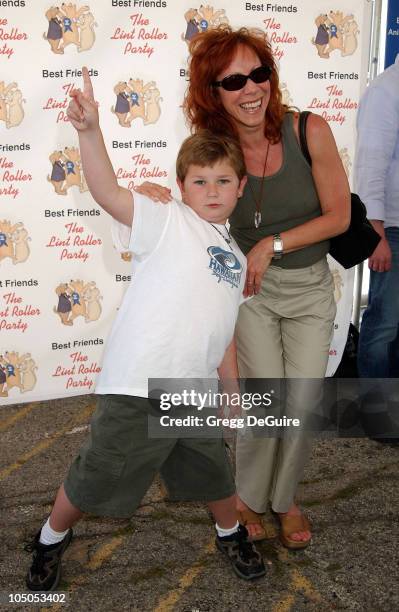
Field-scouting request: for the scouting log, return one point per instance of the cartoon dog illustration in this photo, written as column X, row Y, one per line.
column 209, row 18
column 70, row 17
column 58, row 175
column 4, row 99
column 15, row 110
column 212, row 17
column 337, row 23
column 6, row 243
column 152, row 97
column 3, row 105
column 86, row 25
column 28, row 368
column 3, row 378
column 21, row 248
column 13, row 373
column 93, row 307
column 137, row 91
column 74, row 170
column 350, row 32
column 54, row 32
column 322, row 39
column 192, row 18
column 64, row 306
column 77, row 300
column 122, row 106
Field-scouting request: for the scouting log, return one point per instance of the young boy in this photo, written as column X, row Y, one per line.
column 176, row 321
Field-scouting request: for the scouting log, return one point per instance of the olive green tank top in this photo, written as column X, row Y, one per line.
column 289, row 199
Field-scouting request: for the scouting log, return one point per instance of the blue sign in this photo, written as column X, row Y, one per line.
column 392, row 34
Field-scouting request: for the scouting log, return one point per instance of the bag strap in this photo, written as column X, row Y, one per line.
column 303, row 118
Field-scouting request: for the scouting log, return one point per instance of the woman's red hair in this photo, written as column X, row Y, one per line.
column 211, row 52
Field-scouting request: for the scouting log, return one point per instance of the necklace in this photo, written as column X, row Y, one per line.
column 227, row 240
column 258, row 202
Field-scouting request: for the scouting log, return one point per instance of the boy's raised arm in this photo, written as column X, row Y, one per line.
column 97, row 168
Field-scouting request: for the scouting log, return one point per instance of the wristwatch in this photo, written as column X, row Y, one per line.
column 278, row 247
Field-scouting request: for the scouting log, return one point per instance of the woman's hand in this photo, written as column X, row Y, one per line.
column 82, row 111
column 258, row 261
column 156, row 193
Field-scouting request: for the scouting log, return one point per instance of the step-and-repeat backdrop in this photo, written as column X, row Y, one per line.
column 61, row 280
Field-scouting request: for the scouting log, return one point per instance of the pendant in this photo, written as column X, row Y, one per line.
column 258, row 219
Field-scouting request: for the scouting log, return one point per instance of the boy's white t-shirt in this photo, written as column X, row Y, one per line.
column 178, row 314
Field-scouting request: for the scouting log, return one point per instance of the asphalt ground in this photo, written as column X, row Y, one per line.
column 164, row 558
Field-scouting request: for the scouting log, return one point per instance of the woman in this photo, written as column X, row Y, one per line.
column 283, row 222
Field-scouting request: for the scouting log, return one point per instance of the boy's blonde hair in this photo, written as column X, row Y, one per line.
column 205, row 149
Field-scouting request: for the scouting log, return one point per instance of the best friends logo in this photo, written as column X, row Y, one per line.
column 225, row 266
column 134, row 100
column 70, row 26
column 335, row 32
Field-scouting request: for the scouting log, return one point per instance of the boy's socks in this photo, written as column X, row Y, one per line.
column 222, row 533
column 48, row 536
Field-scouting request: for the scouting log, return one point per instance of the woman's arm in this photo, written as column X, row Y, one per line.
column 97, row 168
column 156, row 193
column 334, row 195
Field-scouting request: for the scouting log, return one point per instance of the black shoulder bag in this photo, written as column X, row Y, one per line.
column 360, row 239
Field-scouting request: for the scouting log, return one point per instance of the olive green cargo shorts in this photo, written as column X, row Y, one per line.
column 117, row 464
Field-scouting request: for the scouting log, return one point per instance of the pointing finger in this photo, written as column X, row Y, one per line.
column 87, row 85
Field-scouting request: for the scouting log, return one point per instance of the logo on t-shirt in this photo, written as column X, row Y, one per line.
column 225, row 266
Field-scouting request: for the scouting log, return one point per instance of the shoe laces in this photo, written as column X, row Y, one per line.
column 38, row 563
column 245, row 548
column 39, row 556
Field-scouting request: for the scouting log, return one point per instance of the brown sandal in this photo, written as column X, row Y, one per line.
column 249, row 517
column 292, row 524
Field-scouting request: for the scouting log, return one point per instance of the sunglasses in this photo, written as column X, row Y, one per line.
column 234, row 82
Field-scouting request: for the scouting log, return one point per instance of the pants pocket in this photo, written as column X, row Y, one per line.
column 102, row 471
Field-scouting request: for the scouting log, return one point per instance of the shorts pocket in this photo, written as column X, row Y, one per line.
column 102, row 471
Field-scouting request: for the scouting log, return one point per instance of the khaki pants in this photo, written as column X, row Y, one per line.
column 283, row 332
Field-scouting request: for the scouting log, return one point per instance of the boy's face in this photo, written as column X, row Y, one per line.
column 212, row 192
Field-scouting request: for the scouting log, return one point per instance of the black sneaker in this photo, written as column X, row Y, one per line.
column 245, row 559
column 45, row 571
